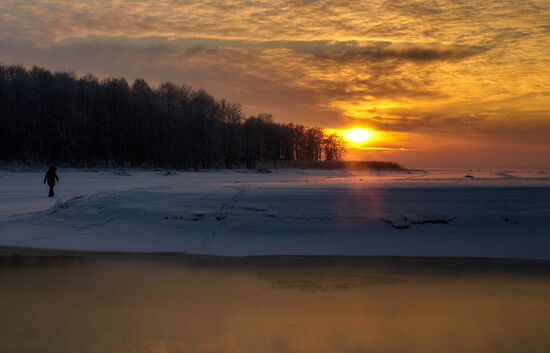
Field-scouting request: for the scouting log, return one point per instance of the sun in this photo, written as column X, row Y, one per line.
column 358, row 135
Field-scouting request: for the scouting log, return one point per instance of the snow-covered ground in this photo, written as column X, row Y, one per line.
column 480, row 213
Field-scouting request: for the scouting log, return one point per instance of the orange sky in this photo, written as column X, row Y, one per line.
column 445, row 83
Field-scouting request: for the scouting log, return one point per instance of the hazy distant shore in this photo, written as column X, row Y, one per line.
column 350, row 165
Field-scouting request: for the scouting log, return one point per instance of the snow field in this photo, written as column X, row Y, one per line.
column 287, row 212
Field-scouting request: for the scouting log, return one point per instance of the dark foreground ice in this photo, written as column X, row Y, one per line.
column 279, row 305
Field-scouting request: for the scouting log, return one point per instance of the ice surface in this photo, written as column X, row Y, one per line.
column 496, row 213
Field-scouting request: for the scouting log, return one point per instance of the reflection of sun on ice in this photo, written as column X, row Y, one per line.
column 358, row 135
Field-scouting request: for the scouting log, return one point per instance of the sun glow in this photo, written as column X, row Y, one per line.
column 358, row 135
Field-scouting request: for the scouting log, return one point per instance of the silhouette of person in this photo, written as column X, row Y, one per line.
column 51, row 177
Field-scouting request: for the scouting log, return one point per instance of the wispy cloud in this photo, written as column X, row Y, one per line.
column 416, row 52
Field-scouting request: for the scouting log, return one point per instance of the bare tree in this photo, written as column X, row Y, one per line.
column 57, row 116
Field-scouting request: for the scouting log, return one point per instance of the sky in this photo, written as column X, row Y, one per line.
column 462, row 83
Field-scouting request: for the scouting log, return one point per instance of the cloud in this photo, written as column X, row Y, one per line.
column 401, row 51
column 330, row 49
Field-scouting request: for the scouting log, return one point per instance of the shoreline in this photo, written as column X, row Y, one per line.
column 412, row 264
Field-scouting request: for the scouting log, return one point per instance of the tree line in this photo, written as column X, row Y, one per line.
column 58, row 117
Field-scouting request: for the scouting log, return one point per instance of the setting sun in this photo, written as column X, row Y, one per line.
column 358, row 135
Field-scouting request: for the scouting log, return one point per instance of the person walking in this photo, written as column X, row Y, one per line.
column 51, row 177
